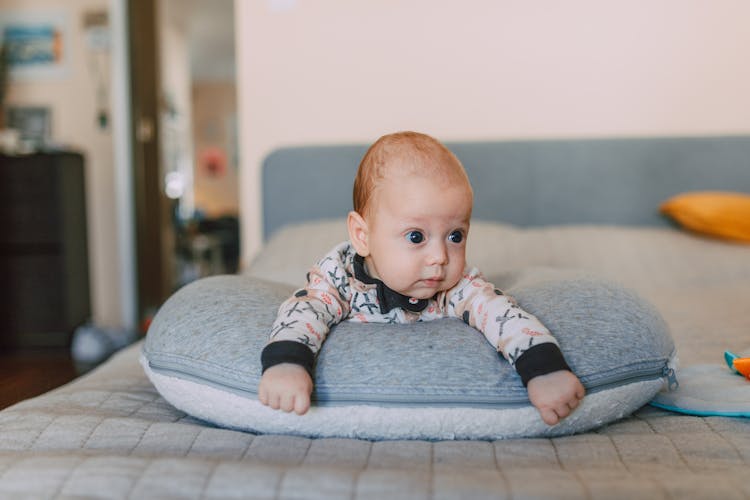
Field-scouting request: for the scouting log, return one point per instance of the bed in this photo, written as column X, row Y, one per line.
column 568, row 204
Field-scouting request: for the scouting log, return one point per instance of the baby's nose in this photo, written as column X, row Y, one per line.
column 438, row 254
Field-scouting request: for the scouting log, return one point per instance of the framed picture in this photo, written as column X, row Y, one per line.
column 33, row 124
column 36, row 43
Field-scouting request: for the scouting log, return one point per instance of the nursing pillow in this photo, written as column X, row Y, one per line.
column 433, row 380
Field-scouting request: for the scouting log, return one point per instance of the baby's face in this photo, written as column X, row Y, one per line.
column 417, row 234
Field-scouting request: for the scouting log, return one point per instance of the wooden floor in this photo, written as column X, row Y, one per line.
column 30, row 372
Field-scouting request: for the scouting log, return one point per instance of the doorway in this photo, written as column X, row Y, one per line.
column 185, row 144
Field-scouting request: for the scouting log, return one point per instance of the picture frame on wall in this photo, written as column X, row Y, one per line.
column 33, row 123
column 36, row 43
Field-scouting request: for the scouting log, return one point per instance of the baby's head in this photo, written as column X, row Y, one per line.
column 412, row 206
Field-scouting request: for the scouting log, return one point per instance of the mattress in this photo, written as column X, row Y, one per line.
column 110, row 435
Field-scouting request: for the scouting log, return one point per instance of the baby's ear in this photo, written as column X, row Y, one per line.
column 358, row 233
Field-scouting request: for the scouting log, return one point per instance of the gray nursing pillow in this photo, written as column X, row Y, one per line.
column 432, row 380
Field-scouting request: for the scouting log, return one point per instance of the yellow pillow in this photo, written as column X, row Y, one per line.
column 719, row 214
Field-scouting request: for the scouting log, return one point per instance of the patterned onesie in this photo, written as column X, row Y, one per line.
column 339, row 288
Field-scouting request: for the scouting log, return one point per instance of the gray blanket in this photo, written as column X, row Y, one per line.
column 110, row 435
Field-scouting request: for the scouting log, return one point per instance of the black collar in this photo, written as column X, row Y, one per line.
column 387, row 298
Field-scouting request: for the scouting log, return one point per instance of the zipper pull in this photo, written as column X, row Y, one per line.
column 671, row 376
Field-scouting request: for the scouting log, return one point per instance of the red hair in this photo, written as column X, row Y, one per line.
column 413, row 153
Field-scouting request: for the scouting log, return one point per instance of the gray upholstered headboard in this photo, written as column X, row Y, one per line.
column 527, row 183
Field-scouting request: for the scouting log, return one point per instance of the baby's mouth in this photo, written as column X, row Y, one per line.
column 434, row 281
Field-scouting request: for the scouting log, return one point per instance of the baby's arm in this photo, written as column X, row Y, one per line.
column 555, row 395
column 302, row 323
column 286, row 387
column 523, row 340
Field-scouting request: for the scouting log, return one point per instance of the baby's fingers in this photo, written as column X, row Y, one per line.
column 580, row 391
column 549, row 416
column 563, row 411
column 274, row 400
column 287, row 402
column 301, row 404
column 573, row 403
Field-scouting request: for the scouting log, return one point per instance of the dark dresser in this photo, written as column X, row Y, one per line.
column 44, row 278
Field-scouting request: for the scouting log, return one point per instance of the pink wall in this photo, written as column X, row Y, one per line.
column 349, row 71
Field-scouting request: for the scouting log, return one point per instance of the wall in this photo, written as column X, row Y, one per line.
column 322, row 71
column 71, row 97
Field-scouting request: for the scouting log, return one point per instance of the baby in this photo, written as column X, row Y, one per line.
column 405, row 262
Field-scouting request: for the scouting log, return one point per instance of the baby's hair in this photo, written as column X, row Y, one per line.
column 413, row 153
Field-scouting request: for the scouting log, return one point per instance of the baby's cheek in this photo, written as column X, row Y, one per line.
column 456, row 273
column 458, row 259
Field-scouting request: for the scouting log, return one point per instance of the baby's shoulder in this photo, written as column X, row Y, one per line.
column 340, row 256
column 335, row 267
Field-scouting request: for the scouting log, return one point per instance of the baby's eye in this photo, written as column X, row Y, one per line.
column 456, row 237
column 415, row 237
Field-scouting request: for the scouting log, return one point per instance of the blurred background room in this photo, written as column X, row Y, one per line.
column 119, row 173
column 133, row 131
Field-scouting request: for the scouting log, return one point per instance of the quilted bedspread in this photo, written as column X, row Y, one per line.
column 110, row 435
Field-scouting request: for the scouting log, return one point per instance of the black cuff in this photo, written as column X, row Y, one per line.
column 287, row 351
column 540, row 359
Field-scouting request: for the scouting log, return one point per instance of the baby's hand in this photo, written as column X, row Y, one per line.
column 555, row 395
column 286, row 386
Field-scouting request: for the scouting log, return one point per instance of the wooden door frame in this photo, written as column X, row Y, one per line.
column 153, row 220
